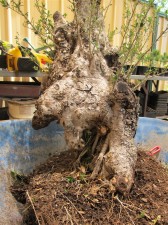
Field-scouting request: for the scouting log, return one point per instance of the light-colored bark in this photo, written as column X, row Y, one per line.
column 79, row 94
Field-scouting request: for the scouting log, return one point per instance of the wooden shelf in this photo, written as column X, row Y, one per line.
column 142, row 77
column 20, row 89
column 6, row 73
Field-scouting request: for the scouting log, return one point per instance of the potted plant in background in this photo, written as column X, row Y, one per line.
column 143, row 68
column 153, row 59
column 164, row 64
column 4, row 46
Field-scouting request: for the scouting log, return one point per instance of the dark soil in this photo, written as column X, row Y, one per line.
column 59, row 196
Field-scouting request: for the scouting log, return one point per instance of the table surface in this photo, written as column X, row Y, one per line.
column 142, row 77
column 6, row 73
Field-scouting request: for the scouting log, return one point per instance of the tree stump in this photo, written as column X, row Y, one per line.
column 86, row 95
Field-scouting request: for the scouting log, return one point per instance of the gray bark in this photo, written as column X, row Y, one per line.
column 80, row 95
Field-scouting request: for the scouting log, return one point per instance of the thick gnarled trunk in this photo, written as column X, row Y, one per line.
column 81, row 95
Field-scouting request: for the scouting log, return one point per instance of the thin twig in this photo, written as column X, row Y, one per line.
column 72, row 204
column 146, row 78
column 141, row 83
column 132, row 67
column 142, row 56
column 124, row 207
column 128, row 23
column 33, row 207
column 78, row 26
column 136, row 35
column 29, row 23
column 159, row 74
column 69, row 215
column 128, row 206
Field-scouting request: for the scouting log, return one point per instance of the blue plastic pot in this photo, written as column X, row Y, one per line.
column 22, row 149
column 153, row 132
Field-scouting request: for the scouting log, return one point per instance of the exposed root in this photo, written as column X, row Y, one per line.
column 95, row 143
column 100, row 158
column 102, row 131
column 85, row 150
column 78, row 161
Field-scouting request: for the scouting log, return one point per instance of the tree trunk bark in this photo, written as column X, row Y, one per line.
column 82, row 95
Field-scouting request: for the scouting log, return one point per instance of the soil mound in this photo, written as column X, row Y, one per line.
column 57, row 195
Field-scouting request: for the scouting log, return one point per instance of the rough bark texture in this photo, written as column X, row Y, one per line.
column 81, row 95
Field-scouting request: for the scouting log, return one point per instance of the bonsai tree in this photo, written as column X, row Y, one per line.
column 89, row 93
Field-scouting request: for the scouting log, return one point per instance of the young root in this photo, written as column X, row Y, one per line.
column 100, row 158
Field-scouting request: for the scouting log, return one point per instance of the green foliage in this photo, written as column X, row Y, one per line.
column 140, row 23
column 153, row 58
column 164, row 59
column 136, row 31
column 14, row 175
column 156, row 220
column 4, row 47
column 43, row 27
column 111, row 34
column 140, row 20
column 142, row 214
column 70, row 179
column 82, row 177
column 4, row 3
column 17, row 177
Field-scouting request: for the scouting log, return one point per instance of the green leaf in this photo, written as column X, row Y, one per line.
column 70, row 179
column 141, row 215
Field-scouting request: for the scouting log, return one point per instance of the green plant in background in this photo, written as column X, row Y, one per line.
column 153, row 58
column 164, row 63
column 138, row 28
column 5, row 46
column 43, row 27
column 157, row 62
column 140, row 20
column 164, row 59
